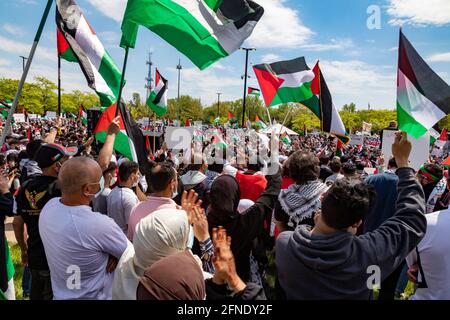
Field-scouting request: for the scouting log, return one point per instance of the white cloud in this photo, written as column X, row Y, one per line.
column 439, row 57
column 13, row 29
column 4, row 62
column 271, row 31
column 419, row 12
column 21, row 48
column 72, row 78
column 280, row 27
column 359, row 82
column 113, row 9
column 268, row 58
column 335, row 44
column 393, row 49
column 204, row 84
column 32, row 2
column 110, row 39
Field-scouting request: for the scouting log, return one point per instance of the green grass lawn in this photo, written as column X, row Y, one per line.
column 17, row 259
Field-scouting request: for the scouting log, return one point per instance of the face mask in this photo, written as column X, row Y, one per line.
column 113, row 181
column 190, row 242
column 102, row 187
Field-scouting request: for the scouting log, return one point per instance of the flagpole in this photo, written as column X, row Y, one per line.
column 122, row 79
column 268, row 114
column 245, row 82
column 7, row 127
column 59, row 85
column 154, row 134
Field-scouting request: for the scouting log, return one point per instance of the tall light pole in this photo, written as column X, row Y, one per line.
column 149, row 79
column 179, row 68
column 245, row 81
column 218, row 103
column 23, row 62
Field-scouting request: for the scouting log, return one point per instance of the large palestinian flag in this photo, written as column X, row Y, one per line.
column 157, row 100
column 77, row 41
column 321, row 104
column 203, row 30
column 284, row 81
column 130, row 141
column 423, row 98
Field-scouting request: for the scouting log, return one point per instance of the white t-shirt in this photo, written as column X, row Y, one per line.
column 120, row 202
column 77, row 243
column 434, row 254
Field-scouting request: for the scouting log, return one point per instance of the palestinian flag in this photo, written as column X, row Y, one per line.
column 423, row 98
column 64, row 50
column 434, row 134
column 218, row 142
column 231, row 118
column 284, row 81
column 82, row 115
column 129, row 141
column 203, row 30
column 100, row 71
column 217, row 121
column 188, row 122
column 7, row 291
column 254, row 91
column 260, row 123
column 285, row 138
column 444, row 135
column 321, row 104
column 157, row 101
column 5, row 107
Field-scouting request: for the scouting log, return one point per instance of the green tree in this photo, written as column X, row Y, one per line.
column 351, row 108
column 187, row 107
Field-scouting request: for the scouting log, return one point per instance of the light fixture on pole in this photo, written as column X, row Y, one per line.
column 179, row 68
column 245, row 81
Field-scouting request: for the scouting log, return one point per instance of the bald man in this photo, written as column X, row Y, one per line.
column 81, row 245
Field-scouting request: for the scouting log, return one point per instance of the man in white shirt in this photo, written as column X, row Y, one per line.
column 429, row 264
column 122, row 199
column 82, row 247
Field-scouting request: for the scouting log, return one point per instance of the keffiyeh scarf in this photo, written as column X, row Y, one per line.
column 301, row 201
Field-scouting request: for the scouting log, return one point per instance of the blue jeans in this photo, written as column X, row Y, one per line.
column 26, row 282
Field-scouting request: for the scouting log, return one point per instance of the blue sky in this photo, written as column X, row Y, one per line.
column 359, row 64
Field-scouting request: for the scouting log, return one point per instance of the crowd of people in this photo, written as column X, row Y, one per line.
column 309, row 221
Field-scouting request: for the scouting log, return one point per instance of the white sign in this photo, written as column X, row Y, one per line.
column 356, row 140
column 50, row 115
column 19, row 117
column 420, row 148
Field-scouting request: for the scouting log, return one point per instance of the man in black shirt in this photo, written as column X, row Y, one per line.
column 32, row 197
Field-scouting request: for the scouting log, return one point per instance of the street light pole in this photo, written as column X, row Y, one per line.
column 23, row 62
column 179, row 68
column 245, row 82
column 218, row 103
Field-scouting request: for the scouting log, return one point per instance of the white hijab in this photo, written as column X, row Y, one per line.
column 163, row 233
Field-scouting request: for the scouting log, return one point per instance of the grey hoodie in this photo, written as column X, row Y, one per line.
column 335, row 266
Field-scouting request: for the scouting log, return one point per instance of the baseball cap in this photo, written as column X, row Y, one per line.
column 50, row 153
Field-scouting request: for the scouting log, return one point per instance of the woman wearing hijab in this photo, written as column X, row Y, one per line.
column 163, row 233
column 243, row 228
column 179, row 277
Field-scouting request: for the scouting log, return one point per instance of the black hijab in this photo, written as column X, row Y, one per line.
column 224, row 200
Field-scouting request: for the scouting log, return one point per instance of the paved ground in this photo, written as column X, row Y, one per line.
column 9, row 231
